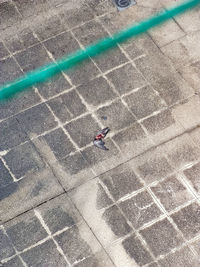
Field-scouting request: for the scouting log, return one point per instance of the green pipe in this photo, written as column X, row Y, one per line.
column 46, row 72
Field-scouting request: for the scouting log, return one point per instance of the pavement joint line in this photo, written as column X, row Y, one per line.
column 16, row 251
column 66, row 30
column 135, row 231
column 99, row 106
column 102, row 246
column 156, row 112
column 95, row 109
column 62, row 127
column 176, row 249
column 162, row 208
column 166, row 56
column 34, row 207
column 38, row 215
column 126, row 161
column 141, row 154
column 30, row 247
column 133, row 64
column 58, row 121
column 10, row 172
column 188, row 186
column 119, row 37
column 179, row 25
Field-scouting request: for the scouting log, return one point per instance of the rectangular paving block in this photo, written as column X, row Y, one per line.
column 57, row 45
column 18, row 103
column 188, row 220
column 118, row 116
column 188, row 113
column 56, row 85
column 83, row 130
column 48, row 26
column 115, row 21
column 116, row 221
column 59, row 213
column 36, row 120
column 7, row 190
column 8, row 15
column 100, row 7
column 5, row 177
column 183, row 257
column 11, row 134
column 120, row 256
column 27, row 8
column 73, row 170
column 136, row 250
column 9, row 70
column 44, row 254
column 100, row 160
column 181, row 151
column 32, row 58
column 76, row 15
column 152, row 166
column 111, row 59
column 161, row 237
column 162, row 126
column 103, row 200
column 89, row 32
column 3, row 51
column 106, row 222
column 191, row 74
column 78, row 243
column 171, row 193
column 100, row 259
column 91, row 261
column 14, row 262
column 24, row 159
column 25, row 230
column 126, row 78
column 140, row 209
column 140, row 46
column 78, row 248
column 192, row 175
column 144, row 102
column 6, row 247
column 29, row 192
column 96, row 91
column 166, row 33
column 67, row 106
column 194, row 134
column 159, row 71
column 121, row 181
column 20, row 40
column 184, row 51
column 58, row 143
column 189, row 21
column 196, row 246
column 132, row 141
column 83, row 72
column 93, row 31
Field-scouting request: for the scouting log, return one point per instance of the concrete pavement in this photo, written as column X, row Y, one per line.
column 63, row 201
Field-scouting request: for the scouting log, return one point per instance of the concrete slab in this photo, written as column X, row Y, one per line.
column 65, row 202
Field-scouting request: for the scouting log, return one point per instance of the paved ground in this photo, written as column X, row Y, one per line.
column 63, row 201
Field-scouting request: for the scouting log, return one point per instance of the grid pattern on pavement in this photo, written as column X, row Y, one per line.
column 63, row 201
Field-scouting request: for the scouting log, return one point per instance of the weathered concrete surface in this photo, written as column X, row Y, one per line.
column 63, row 202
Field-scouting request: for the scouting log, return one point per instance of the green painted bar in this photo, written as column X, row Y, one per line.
column 46, row 72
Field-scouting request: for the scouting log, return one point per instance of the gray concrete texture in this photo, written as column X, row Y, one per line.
column 63, row 202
